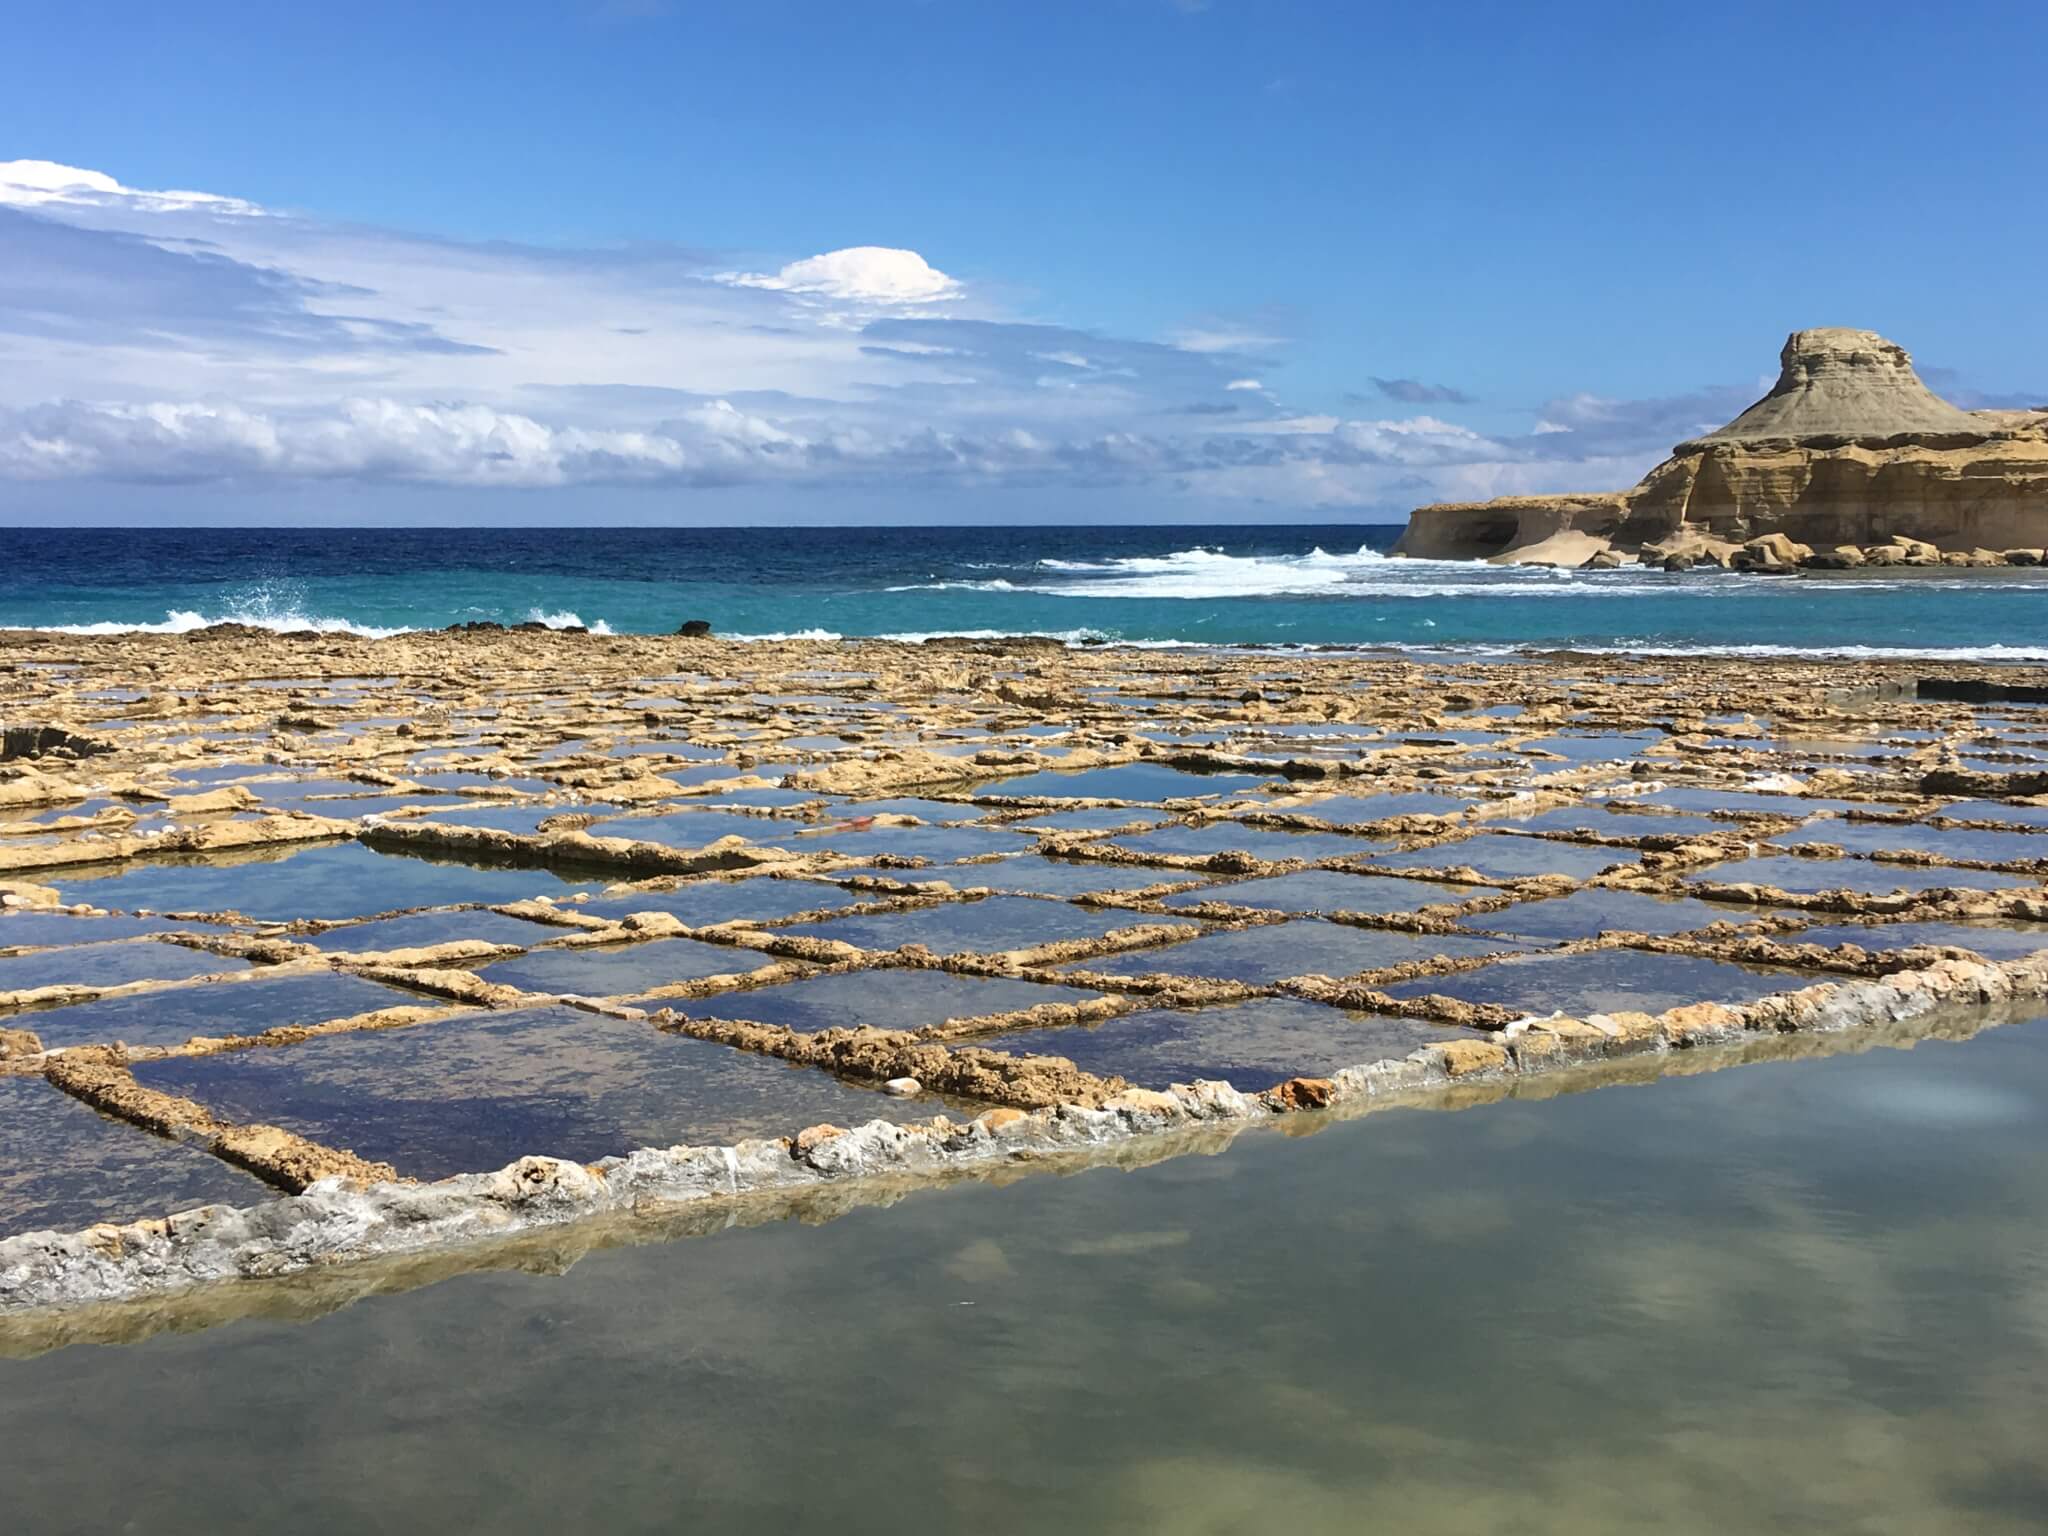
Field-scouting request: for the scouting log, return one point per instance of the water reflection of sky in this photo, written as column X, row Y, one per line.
column 1799, row 1296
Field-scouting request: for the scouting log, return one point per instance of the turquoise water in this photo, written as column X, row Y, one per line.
column 1315, row 585
column 1800, row 1296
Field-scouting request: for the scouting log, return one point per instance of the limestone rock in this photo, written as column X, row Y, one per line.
column 812, row 1137
column 1560, row 530
column 1843, row 557
column 19, row 1042
column 1771, row 552
column 1303, row 1093
column 1836, row 382
column 1848, row 448
column 1463, row 1058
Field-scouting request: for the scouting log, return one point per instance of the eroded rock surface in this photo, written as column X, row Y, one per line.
column 778, row 855
column 1849, row 454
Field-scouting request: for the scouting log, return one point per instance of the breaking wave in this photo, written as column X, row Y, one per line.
column 1203, row 574
column 183, row 621
column 1649, row 648
column 565, row 619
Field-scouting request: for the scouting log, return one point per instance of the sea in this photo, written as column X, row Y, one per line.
column 1330, row 585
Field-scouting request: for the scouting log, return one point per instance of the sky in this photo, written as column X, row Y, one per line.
column 939, row 261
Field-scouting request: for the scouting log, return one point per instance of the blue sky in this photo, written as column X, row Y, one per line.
column 931, row 260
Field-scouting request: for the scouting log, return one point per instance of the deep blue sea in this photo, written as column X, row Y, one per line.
column 1328, row 584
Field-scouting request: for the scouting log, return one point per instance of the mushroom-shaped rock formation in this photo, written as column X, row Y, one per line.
column 1848, row 448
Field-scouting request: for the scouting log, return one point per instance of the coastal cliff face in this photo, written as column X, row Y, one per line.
column 1849, row 450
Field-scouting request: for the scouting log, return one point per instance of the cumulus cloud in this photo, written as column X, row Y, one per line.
column 862, row 274
column 188, row 338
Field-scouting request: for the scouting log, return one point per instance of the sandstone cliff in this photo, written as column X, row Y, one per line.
column 1848, row 450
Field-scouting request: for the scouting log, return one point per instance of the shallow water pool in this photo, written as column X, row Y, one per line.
column 1797, row 1296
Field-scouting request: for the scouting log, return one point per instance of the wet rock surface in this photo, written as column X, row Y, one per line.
column 1078, row 898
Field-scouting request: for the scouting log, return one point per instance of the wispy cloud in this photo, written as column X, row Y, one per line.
column 1415, row 392
column 173, row 337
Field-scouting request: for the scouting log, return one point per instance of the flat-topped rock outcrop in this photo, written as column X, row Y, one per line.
column 1849, row 451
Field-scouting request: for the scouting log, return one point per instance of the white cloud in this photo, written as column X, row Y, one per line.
column 1223, row 339
column 42, row 183
column 862, row 274
column 150, row 336
column 370, row 439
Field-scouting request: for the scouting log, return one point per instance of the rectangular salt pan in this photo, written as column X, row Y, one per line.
column 1127, row 781
column 996, row 923
column 1503, row 856
column 1341, row 810
column 1317, row 891
column 1586, row 913
column 23, row 928
column 1948, row 842
column 613, row 970
column 419, row 930
column 1994, row 941
column 173, row 1015
column 1617, row 823
column 1033, row 876
column 701, row 903
column 1786, row 872
column 1260, row 842
column 64, row 1166
column 111, row 965
column 1606, row 981
column 1993, row 810
column 318, row 880
column 477, row 1093
column 884, row 999
column 522, row 819
column 938, row 844
column 1250, row 1045
column 1274, row 952
column 1102, row 818
column 695, row 829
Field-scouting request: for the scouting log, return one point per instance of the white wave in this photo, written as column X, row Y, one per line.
column 1064, row 636
column 565, row 619
column 182, row 621
column 919, row 636
column 2007, row 653
column 996, row 584
column 1203, row 574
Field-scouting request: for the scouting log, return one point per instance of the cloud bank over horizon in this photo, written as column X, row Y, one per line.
column 170, row 337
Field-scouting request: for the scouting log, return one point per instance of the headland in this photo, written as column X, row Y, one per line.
column 1849, row 461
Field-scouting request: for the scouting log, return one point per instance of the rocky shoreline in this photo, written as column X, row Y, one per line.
column 1850, row 460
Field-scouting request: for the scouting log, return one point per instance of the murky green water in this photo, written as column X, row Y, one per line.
column 1802, row 1296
